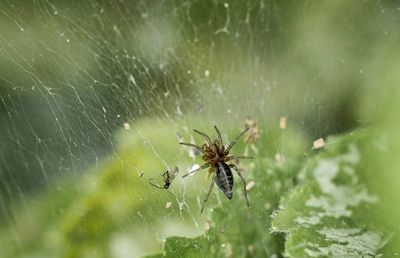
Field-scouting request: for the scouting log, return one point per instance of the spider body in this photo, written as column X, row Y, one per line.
column 224, row 179
column 216, row 157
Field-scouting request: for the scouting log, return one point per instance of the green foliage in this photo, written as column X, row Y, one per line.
column 331, row 212
column 322, row 204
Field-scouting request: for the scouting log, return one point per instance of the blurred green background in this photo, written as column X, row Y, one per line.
column 96, row 95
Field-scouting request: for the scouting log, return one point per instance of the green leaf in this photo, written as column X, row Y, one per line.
column 328, row 214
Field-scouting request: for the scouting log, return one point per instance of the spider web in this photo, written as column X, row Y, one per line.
column 96, row 91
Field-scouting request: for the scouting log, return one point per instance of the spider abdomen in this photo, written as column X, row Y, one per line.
column 224, row 179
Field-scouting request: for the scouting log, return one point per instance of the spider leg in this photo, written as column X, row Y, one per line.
column 237, row 157
column 219, row 136
column 194, row 146
column 205, row 136
column 171, row 193
column 197, row 169
column 150, row 182
column 243, row 181
column 159, row 187
column 208, row 194
column 234, row 141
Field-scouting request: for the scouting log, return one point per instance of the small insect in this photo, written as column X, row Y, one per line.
column 216, row 155
column 252, row 135
column 167, row 178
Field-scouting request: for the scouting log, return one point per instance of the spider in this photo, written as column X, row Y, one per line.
column 167, row 178
column 215, row 156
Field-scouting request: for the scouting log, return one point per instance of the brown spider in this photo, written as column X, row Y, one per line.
column 215, row 155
